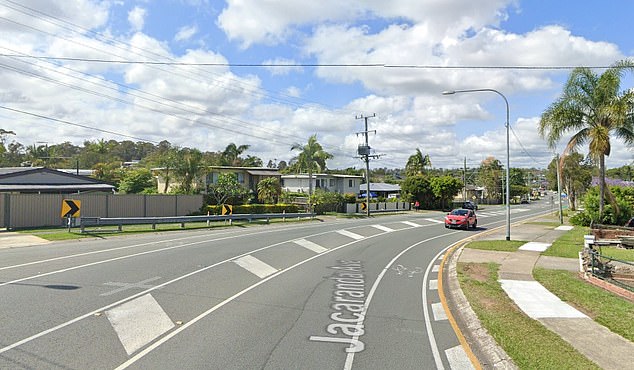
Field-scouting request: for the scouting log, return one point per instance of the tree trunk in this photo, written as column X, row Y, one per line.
column 601, row 186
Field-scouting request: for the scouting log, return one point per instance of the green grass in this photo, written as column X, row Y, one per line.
column 58, row 234
column 526, row 341
column 609, row 310
column 619, row 254
column 569, row 244
column 496, row 245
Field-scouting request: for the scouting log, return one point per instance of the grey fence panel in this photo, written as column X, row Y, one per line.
column 3, row 201
column 188, row 204
column 160, row 206
column 126, row 205
column 92, row 205
column 35, row 210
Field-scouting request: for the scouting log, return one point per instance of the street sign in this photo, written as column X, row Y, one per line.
column 71, row 208
column 364, row 206
column 227, row 209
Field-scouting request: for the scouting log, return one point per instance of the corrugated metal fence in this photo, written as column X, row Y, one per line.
column 39, row 210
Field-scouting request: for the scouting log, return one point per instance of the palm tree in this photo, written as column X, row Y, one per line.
column 269, row 190
column 312, row 158
column 417, row 163
column 231, row 154
column 595, row 107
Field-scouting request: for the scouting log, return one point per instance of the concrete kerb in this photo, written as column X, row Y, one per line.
column 480, row 345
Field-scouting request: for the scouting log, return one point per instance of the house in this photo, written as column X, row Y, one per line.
column 342, row 184
column 249, row 177
column 380, row 189
column 41, row 180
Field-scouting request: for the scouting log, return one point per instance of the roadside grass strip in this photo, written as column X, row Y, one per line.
column 530, row 344
column 607, row 309
column 496, row 245
column 569, row 244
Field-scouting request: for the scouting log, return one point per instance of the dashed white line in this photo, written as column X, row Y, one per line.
column 139, row 322
column 350, row 234
column 384, row 228
column 410, row 223
column 435, row 221
column 310, row 245
column 458, row 359
column 435, row 268
column 255, row 266
column 433, row 284
column 439, row 311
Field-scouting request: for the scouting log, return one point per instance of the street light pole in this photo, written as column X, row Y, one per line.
column 508, row 161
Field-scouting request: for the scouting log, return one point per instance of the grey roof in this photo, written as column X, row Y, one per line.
column 380, row 186
column 262, row 172
column 56, row 188
column 40, row 179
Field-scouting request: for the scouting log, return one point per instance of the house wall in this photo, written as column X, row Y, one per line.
column 40, row 210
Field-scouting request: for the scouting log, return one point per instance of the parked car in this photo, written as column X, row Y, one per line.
column 462, row 218
column 470, row 205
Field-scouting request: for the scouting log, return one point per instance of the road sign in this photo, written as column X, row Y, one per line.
column 71, row 208
column 227, row 209
column 364, row 206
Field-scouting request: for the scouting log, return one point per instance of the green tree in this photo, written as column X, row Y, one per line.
column 226, row 188
column 269, row 189
column 418, row 187
column 231, row 154
column 417, row 163
column 312, row 157
column 137, row 180
column 594, row 108
column 188, row 169
column 445, row 188
column 490, row 176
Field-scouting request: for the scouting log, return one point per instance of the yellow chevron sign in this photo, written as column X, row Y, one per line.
column 70, row 208
column 227, row 209
column 364, row 206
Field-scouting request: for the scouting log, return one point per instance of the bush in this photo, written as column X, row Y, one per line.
column 623, row 196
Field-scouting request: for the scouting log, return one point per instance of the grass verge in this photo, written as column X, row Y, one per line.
column 59, row 234
column 569, row 244
column 496, row 245
column 609, row 310
column 529, row 343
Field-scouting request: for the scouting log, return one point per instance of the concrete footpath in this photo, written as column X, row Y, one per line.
column 608, row 350
column 9, row 239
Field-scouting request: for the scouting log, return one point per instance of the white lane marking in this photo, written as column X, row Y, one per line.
column 139, row 322
column 536, row 301
column 366, row 304
column 439, row 311
column 350, row 234
column 410, row 223
column 435, row 268
column 441, row 257
column 384, row 228
column 535, row 246
column 458, row 359
column 310, row 245
column 255, row 266
column 435, row 221
column 126, row 286
column 564, row 227
column 433, row 284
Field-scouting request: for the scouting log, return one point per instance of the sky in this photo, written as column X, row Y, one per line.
column 269, row 74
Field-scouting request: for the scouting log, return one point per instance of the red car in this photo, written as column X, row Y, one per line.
column 463, row 218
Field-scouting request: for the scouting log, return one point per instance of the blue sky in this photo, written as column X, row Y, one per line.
column 208, row 107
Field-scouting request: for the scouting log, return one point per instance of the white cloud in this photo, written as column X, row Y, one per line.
column 186, row 33
column 282, row 66
column 136, row 17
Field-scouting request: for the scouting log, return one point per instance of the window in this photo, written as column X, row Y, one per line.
column 332, row 183
column 240, row 177
column 350, row 183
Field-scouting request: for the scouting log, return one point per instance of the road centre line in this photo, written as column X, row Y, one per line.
column 101, row 309
column 255, row 266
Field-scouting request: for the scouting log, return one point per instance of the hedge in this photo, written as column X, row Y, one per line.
column 256, row 209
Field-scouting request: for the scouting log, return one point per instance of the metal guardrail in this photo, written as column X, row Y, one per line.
column 120, row 221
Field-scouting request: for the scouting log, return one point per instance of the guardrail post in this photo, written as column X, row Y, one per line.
column 182, row 225
column 120, row 227
column 153, row 226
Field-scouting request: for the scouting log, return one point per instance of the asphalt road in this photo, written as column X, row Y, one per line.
column 335, row 294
